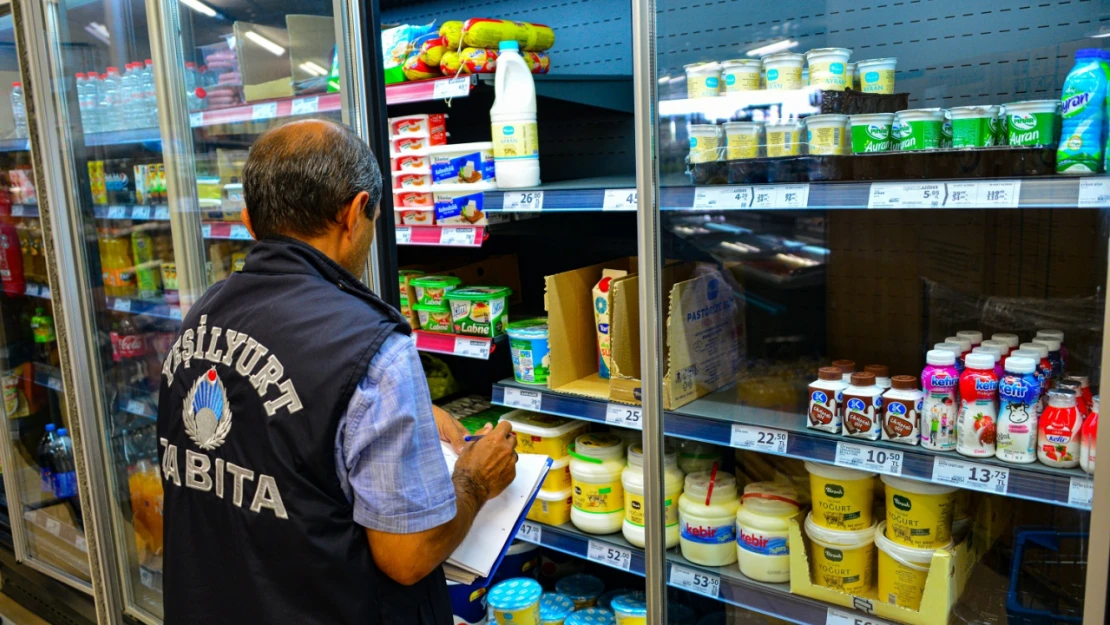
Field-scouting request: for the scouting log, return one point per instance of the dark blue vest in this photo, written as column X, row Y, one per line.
column 257, row 528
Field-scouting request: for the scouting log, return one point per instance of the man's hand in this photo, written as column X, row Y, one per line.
column 450, row 430
column 489, row 463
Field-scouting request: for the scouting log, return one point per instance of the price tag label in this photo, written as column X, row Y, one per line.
column 840, row 617
column 54, row 526
column 767, row 440
column 970, row 475
column 721, row 198
column 117, row 212
column 80, row 543
column 530, row 532
column 695, row 581
column 175, row 313
column 458, row 236
column 196, row 120
column 17, row 210
column 780, row 196
column 868, row 458
column 121, row 305
column 404, row 235
column 620, row 200
column 472, row 348
column 305, row 106
column 450, row 88
column 206, row 231
column 520, row 398
column 1081, row 492
column 162, row 213
column 1000, row 194
column 140, row 212
column 610, row 555
column 263, row 111
column 1093, row 193
column 146, row 578
column 911, row 195
column 625, row 416
column 54, row 383
column 522, row 201
column 135, row 406
column 239, row 232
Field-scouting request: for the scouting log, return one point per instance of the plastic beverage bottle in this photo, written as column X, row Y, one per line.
column 11, row 261
column 516, row 148
column 82, row 99
column 956, row 350
column 118, row 268
column 127, row 96
column 150, row 96
column 974, row 336
column 1083, row 134
column 148, row 274
column 995, row 353
column 938, row 413
column 22, row 231
column 92, row 102
column 975, row 426
column 1059, row 336
column 19, row 113
column 38, row 249
column 1018, row 411
column 65, row 474
column 111, row 101
column 45, row 454
column 1088, row 436
column 42, row 330
column 1058, row 430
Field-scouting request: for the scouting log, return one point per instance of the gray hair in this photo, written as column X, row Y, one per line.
column 297, row 178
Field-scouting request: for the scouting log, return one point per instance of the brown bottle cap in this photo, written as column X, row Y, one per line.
column 829, row 373
column 863, row 378
column 880, row 371
column 904, row 382
column 845, row 366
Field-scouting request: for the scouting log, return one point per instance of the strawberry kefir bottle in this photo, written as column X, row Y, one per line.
column 1019, row 392
column 1075, row 384
column 1059, row 430
column 975, row 425
column 1088, row 435
column 938, row 413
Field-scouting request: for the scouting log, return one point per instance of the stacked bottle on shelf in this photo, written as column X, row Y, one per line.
column 56, row 467
column 111, row 102
column 998, row 397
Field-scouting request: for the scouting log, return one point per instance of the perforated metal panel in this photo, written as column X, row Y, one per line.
column 591, row 36
column 950, row 52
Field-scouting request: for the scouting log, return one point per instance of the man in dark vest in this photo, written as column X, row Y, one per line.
column 304, row 478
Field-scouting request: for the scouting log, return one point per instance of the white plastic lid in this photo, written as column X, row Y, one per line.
column 974, row 336
column 979, row 361
column 599, row 446
column 940, row 357
column 770, row 498
column 831, row 472
column 964, row 343
column 989, row 349
column 950, row 347
column 1051, row 334
column 1053, row 345
column 842, row 539
column 1040, row 348
column 697, row 486
column 1027, row 353
column 636, row 456
column 1003, row 348
column 1020, row 364
column 1011, row 340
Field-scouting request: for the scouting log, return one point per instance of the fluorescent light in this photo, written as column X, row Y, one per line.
column 99, row 31
column 270, row 46
column 200, row 7
column 313, row 68
column 772, row 48
column 1100, row 35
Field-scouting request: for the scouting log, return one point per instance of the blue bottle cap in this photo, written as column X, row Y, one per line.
column 50, row 427
column 62, row 431
column 591, row 616
column 509, row 45
column 515, row 594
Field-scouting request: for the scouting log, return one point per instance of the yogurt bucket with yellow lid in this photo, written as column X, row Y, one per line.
column 843, row 561
column 740, row 75
column 919, row 514
column 841, row 497
column 828, row 68
column 703, row 80
column 783, row 71
column 516, row 601
column 902, row 570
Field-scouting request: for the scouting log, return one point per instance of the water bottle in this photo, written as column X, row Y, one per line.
column 45, row 454
column 82, row 102
column 65, row 473
column 111, row 102
column 92, row 102
column 191, row 86
column 150, row 96
column 19, row 114
column 134, row 96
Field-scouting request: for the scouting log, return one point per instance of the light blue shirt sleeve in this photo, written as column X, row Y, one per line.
column 387, row 450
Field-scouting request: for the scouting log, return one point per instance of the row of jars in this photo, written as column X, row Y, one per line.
column 827, row 69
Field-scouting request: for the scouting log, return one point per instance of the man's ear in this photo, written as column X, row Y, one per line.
column 354, row 211
column 246, row 218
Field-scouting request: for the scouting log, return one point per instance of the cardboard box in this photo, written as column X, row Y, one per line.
column 311, row 44
column 949, row 572
column 55, row 539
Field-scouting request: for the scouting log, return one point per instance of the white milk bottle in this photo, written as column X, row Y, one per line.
column 516, row 148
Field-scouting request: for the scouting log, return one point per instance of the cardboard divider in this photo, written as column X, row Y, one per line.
column 949, row 572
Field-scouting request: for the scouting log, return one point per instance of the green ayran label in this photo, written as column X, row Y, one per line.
column 918, row 135
column 975, row 132
column 870, row 138
column 1032, row 129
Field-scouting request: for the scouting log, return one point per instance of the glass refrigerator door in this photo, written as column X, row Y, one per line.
column 885, row 320
column 41, row 508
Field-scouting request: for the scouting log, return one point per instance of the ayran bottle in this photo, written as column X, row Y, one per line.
column 975, row 426
column 1018, row 411
column 1058, row 430
column 938, row 415
column 1089, row 435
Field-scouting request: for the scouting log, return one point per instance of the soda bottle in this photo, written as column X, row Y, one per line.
column 42, row 328
column 975, row 426
column 19, row 113
column 11, row 260
column 118, row 267
column 65, row 473
column 1058, row 431
column 45, row 455
column 148, row 272
column 1088, row 436
column 129, row 351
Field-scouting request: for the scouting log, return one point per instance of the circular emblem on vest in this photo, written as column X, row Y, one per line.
column 207, row 413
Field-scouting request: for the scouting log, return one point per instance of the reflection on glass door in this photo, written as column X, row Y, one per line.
column 41, row 508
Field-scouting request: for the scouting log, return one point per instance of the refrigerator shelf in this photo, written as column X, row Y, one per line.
column 143, row 307
column 139, row 212
column 718, row 420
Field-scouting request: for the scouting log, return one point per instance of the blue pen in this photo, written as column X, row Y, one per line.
column 472, row 438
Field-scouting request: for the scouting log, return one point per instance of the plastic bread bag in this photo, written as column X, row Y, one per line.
column 480, row 32
column 484, row 61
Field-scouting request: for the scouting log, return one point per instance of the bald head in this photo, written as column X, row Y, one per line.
column 299, row 175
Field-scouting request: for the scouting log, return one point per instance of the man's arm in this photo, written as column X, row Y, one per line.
column 484, row 469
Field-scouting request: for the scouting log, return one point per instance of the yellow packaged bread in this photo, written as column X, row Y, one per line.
column 481, row 32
